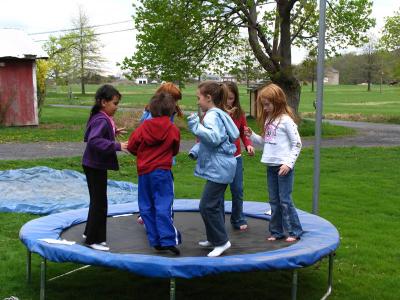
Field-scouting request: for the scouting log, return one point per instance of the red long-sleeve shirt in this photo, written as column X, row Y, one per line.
column 241, row 123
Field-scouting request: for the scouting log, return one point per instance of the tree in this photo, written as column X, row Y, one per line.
column 244, row 65
column 390, row 40
column 370, row 65
column 307, row 69
column 206, row 29
column 75, row 55
column 390, row 35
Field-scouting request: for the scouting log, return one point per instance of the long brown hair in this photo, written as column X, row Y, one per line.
column 218, row 92
column 173, row 90
column 237, row 112
column 274, row 94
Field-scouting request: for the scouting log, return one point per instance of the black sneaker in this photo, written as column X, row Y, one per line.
column 173, row 249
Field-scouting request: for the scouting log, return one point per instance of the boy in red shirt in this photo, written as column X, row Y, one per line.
column 154, row 143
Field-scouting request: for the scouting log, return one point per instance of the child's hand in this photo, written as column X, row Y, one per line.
column 121, row 130
column 250, row 150
column 124, row 147
column 283, row 170
column 247, row 131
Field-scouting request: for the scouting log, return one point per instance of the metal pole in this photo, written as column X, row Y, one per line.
column 294, row 285
column 318, row 115
column 43, row 279
column 172, row 288
column 28, row 266
column 330, row 277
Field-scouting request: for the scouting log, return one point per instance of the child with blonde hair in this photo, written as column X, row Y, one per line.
column 282, row 145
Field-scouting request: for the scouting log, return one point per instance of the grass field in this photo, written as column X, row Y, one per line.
column 359, row 195
column 60, row 124
column 344, row 101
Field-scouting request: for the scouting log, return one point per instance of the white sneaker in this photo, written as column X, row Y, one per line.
column 99, row 247
column 102, row 243
column 219, row 250
column 205, row 244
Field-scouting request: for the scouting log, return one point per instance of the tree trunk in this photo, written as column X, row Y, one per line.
column 291, row 87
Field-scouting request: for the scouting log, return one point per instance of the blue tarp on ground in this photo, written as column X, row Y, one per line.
column 43, row 190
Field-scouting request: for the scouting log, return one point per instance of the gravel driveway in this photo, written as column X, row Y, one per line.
column 368, row 135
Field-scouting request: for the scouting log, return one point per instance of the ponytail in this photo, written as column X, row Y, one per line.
column 217, row 91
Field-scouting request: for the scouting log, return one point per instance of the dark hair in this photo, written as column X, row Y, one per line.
column 162, row 104
column 218, row 92
column 106, row 92
column 173, row 90
column 233, row 88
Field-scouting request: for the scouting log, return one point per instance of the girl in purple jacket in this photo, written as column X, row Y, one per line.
column 100, row 156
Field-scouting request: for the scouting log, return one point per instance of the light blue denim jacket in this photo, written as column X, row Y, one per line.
column 215, row 150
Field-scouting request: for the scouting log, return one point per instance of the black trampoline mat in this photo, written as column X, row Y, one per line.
column 124, row 235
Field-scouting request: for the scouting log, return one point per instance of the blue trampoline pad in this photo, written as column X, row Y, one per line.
column 320, row 239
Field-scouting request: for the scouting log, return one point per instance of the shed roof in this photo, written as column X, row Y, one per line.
column 18, row 44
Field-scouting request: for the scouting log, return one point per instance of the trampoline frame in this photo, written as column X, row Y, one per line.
column 251, row 209
column 172, row 284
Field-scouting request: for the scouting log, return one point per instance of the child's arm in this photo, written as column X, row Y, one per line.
column 254, row 137
column 246, row 141
column 134, row 141
column 210, row 133
column 194, row 151
column 176, row 143
column 96, row 138
column 295, row 143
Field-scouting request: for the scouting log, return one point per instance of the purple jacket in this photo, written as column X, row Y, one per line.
column 101, row 147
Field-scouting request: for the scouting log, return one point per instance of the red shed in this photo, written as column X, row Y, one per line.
column 18, row 93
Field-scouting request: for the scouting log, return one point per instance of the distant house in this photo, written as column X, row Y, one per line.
column 142, row 79
column 331, row 76
column 210, row 77
column 18, row 91
column 228, row 77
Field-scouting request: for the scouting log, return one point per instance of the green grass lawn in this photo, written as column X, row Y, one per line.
column 359, row 195
column 60, row 124
column 344, row 101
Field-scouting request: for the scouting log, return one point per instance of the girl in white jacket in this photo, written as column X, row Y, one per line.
column 282, row 145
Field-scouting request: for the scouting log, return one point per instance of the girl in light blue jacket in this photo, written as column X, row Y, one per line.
column 215, row 160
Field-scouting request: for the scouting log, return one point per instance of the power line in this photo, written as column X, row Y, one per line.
column 74, row 37
column 94, row 26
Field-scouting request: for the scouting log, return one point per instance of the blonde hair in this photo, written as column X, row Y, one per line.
column 274, row 94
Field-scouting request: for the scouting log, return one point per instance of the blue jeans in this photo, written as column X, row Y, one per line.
column 284, row 217
column 237, row 216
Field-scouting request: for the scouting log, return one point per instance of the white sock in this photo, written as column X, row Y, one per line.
column 219, row 250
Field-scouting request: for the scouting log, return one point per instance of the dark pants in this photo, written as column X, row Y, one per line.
column 213, row 213
column 96, row 225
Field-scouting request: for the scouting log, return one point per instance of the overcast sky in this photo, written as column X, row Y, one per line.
column 50, row 15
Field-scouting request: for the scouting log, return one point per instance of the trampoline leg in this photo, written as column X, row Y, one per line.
column 172, row 289
column 294, row 285
column 330, row 277
column 28, row 266
column 42, row 279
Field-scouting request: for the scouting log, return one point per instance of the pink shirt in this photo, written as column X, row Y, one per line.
column 111, row 121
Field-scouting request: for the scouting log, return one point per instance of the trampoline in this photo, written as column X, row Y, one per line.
column 129, row 249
